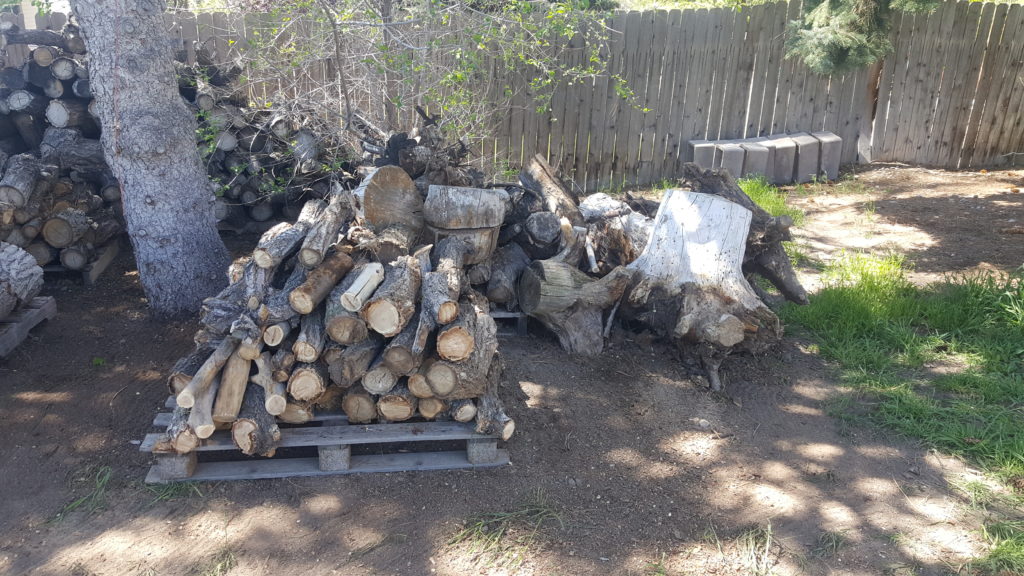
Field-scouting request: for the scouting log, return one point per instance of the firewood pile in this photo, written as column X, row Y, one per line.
column 21, row 279
column 58, row 199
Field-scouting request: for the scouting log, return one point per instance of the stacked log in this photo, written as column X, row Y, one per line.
column 346, row 307
column 21, row 278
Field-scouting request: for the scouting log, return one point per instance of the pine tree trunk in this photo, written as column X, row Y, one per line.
column 149, row 140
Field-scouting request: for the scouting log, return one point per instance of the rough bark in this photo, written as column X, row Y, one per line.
column 311, row 339
column 491, row 418
column 508, row 264
column 450, row 380
column 394, row 303
column 21, row 278
column 538, row 176
column 324, row 233
column 570, row 303
column 354, row 361
column 179, row 436
column 319, row 283
column 19, row 181
column 65, row 227
column 282, row 245
column 149, row 140
column 254, row 431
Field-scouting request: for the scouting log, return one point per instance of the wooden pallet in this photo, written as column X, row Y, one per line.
column 95, row 268
column 333, row 437
column 15, row 328
column 519, row 318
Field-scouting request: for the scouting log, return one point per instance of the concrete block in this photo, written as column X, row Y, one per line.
column 731, row 158
column 783, row 159
column 701, row 153
column 831, row 151
column 755, row 162
column 808, row 155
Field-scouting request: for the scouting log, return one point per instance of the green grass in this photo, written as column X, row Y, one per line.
column 504, row 539
column 1007, row 553
column 96, row 481
column 173, row 491
column 221, row 564
column 770, row 198
column 885, row 332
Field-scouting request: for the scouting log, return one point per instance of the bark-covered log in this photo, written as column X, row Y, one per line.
column 200, row 417
column 324, row 232
column 234, row 379
column 359, row 406
column 353, row 362
column 276, row 333
column 186, row 367
column 65, row 227
column 273, row 391
column 30, row 129
column 179, row 436
column 479, row 274
column 275, row 248
column 507, row 265
column 343, row 326
column 19, row 181
column 397, row 405
column 440, row 290
column 69, row 113
column 308, row 381
column 455, row 342
column 71, row 152
column 276, row 307
column 540, row 177
column 570, row 303
column 379, row 379
column 463, row 410
column 13, row 34
column 398, row 355
column 200, row 382
column 311, row 339
column 450, row 380
column 394, row 303
column 21, row 278
column 63, row 68
column 431, row 408
column 42, row 252
column 395, row 241
column 296, row 413
column 27, row 102
column 319, row 282
column 254, row 431
column 257, row 284
column 491, row 418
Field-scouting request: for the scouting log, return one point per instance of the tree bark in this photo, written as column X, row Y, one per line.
column 394, row 303
column 19, row 181
column 65, row 228
column 319, row 283
column 21, row 278
column 179, row 436
column 540, row 177
column 507, row 265
column 354, row 361
column 275, row 248
column 490, row 416
column 312, row 337
column 324, row 233
column 450, row 380
column 273, row 391
column 254, row 431
column 149, row 140
column 455, row 342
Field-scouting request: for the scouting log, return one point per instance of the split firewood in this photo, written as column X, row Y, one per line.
column 319, row 282
column 570, row 303
column 233, row 381
column 397, row 405
column 312, row 337
column 359, row 406
column 255, row 431
column 308, row 381
column 393, row 304
column 275, row 248
column 354, row 361
column 342, row 326
column 200, row 418
column 273, row 391
column 207, row 372
column 365, row 283
column 379, row 379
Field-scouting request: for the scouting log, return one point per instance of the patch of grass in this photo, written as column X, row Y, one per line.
column 503, row 539
column 884, row 331
column 219, row 565
column 657, row 568
column 173, row 491
column 95, row 499
column 1007, row 553
column 829, row 544
column 770, row 198
column 758, row 549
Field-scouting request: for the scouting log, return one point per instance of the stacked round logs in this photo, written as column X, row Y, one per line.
column 359, row 305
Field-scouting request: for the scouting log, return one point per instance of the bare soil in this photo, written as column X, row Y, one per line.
column 649, row 472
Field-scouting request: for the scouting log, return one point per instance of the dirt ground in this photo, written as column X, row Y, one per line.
column 647, row 471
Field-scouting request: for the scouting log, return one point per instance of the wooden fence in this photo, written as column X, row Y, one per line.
column 951, row 94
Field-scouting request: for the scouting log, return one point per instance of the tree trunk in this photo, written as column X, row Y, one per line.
column 149, row 140
column 570, row 303
column 254, row 431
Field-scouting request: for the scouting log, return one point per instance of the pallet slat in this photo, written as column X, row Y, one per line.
column 15, row 328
